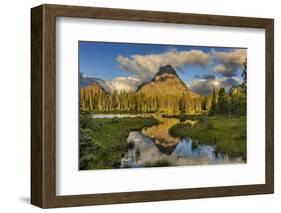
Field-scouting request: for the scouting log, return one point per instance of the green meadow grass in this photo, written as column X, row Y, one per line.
column 107, row 139
column 227, row 133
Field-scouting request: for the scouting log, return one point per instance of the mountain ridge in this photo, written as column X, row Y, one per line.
column 166, row 82
column 95, row 87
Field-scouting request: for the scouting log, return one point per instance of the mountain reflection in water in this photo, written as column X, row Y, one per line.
column 156, row 144
column 160, row 133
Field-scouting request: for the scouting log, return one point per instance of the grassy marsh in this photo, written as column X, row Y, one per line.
column 104, row 140
column 227, row 133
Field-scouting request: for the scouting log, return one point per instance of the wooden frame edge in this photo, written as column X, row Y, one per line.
column 36, row 106
column 269, row 118
column 43, row 105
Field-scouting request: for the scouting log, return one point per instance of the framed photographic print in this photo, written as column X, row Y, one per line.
column 136, row 106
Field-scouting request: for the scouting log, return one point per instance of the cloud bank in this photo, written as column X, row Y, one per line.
column 205, row 86
column 230, row 62
column 127, row 84
column 145, row 66
column 227, row 65
column 208, row 77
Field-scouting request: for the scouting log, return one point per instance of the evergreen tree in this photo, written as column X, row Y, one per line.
column 244, row 76
column 222, row 101
column 234, row 101
column 213, row 109
column 243, row 97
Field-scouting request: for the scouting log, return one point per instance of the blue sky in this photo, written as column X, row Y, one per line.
column 112, row 61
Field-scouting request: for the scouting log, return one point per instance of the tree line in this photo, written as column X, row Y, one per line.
column 92, row 100
column 220, row 102
column 232, row 103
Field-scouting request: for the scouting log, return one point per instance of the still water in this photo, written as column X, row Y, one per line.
column 155, row 145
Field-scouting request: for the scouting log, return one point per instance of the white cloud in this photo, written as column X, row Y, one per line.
column 119, row 83
column 145, row 66
column 230, row 62
column 206, row 86
column 236, row 56
column 124, row 84
column 220, row 68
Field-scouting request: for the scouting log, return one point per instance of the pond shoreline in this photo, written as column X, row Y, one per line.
column 112, row 131
column 143, row 152
column 160, row 135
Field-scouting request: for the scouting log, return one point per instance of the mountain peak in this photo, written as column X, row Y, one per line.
column 168, row 69
column 165, row 72
column 165, row 82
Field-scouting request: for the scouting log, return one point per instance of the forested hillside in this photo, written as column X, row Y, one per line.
column 166, row 93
